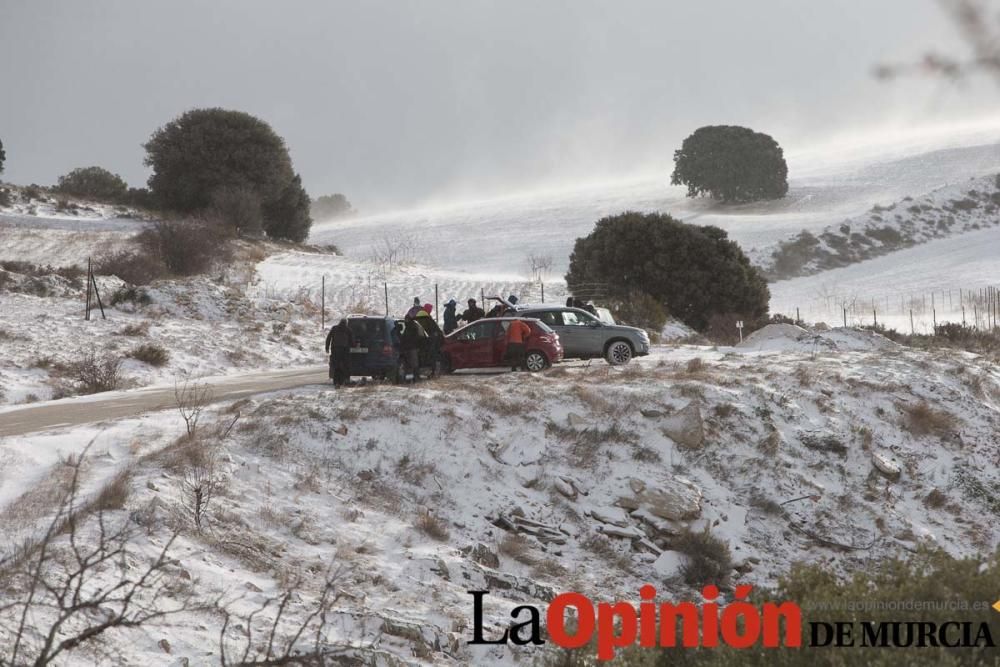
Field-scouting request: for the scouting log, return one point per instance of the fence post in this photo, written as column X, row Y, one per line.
column 322, row 302
column 541, row 284
column 845, row 317
column 912, row 330
column 437, row 310
column 934, row 316
column 875, row 315
column 86, row 315
column 97, row 294
column 386, row 286
column 963, row 317
column 797, row 318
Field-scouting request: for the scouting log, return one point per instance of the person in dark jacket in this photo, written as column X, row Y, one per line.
column 410, row 343
column 339, row 342
column 472, row 313
column 450, row 317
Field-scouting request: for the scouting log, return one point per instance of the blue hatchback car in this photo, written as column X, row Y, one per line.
column 376, row 347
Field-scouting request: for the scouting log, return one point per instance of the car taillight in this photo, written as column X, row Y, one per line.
column 387, row 350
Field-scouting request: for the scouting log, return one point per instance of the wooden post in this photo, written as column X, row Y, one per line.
column 93, row 280
column 322, row 301
column 386, row 286
column 912, row 330
column 845, row 317
column 541, row 284
column 934, row 315
column 875, row 315
column 437, row 310
column 87, row 311
column 797, row 317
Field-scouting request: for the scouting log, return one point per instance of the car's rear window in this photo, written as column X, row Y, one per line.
column 543, row 326
column 368, row 332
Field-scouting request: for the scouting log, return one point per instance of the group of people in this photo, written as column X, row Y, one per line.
column 420, row 338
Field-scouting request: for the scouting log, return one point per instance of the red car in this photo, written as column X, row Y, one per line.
column 483, row 344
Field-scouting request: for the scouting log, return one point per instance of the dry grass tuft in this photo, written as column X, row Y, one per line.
column 430, row 525
column 923, row 419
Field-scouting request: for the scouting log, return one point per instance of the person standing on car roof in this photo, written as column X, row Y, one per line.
column 410, row 343
column 450, row 317
column 339, row 342
column 517, row 335
column 415, row 308
column 473, row 312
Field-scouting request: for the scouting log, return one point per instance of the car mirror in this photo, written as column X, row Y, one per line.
column 594, row 323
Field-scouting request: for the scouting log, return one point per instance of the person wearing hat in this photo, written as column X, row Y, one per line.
column 450, row 317
column 415, row 308
column 473, row 312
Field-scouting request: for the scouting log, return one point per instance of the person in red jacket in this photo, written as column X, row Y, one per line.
column 517, row 335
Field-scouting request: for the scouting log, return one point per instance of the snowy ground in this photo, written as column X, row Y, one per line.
column 792, row 423
column 497, row 236
column 897, row 283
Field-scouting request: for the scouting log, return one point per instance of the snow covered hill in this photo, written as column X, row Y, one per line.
column 497, row 236
column 837, row 447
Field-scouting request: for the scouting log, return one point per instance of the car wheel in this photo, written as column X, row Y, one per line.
column 618, row 353
column 535, row 361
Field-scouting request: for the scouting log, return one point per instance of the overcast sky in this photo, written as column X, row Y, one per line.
column 396, row 102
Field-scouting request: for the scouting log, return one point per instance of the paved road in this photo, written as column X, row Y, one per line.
column 115, row 405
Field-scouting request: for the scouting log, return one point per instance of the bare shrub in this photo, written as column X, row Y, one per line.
column 83, row 564
column 432, row 526
column 694, row 366
column 288, row 639
column 539, row 266
column 518, row 547
column 134, row 330
column 922, row 419
column 185, row 247
column 191, row 401
column 935, row 499
column 412, row 470
column 200, row 483
column 393, row 250
column 96, row 373
column 708, row 558
column 135, row 268
column 150, row 353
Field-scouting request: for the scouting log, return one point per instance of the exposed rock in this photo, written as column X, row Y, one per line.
column 576, row 421
column 685, row 427
column 164, row 645
column 627, row 532
column 679, row 500
column 250, row 586
column 669, row 563
column 887, row 466
column 610, row 515
column 151, row 486
column 637, row 485
column 564, row 488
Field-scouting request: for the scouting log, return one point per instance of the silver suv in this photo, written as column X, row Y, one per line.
column 584, row 336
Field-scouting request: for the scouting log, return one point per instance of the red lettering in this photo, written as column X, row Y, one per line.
column 556, row 621
column 607, row 640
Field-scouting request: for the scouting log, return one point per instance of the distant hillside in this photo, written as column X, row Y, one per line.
column 950, row 210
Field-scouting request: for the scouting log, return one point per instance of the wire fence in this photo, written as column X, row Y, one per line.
column 913, row 312
column 334, row 299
